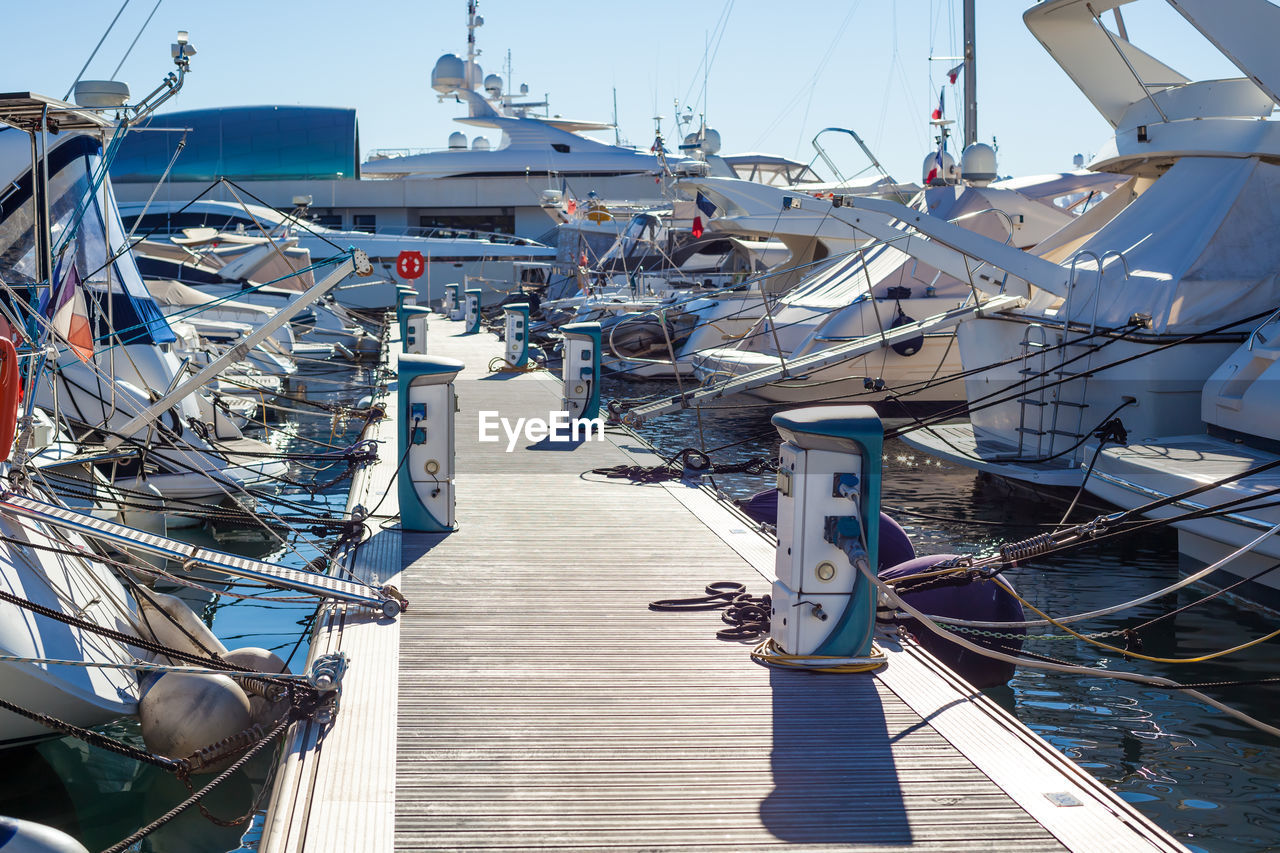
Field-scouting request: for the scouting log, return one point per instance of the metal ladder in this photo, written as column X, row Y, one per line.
column 1034, row 346
column 1072, row 394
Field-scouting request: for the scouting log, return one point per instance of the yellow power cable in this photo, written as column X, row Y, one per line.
column 1139, row 655
column 499, row 364
column 770, row 654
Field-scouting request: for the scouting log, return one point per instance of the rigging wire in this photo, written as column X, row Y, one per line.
column 134, row 43
column 106, row 33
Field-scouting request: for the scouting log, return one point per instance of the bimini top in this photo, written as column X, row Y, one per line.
column 244, row 143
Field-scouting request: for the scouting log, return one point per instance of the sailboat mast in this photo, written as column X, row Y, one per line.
column 970, row 78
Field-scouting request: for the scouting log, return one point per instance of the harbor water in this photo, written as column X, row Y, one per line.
column 1206, row 778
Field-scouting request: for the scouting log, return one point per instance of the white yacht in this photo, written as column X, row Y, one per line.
column 197, row 229
column 1142, row 297
column 1240, row 407
column 848, row 287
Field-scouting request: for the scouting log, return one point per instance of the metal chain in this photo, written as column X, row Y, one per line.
column 1008, row 635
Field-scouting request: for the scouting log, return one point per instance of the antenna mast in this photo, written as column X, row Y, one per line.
column 970, row 78
column 473, row 21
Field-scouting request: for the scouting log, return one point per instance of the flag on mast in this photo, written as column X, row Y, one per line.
column 706, row 205
column 68, row 313
column 954, row 73
column 937, row 113
column 936, row 172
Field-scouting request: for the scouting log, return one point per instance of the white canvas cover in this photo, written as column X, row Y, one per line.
column 1200, row 245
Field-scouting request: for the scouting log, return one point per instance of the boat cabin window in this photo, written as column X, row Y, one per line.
column 501, row 221
column 533, row 275
column 561, row 147
column 366, row 222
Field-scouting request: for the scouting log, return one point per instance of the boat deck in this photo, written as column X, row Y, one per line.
column 529, row 699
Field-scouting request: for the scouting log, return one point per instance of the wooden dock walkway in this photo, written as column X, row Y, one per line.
column 529, row 699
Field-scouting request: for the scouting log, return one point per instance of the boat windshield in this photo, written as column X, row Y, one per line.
column 72, row 164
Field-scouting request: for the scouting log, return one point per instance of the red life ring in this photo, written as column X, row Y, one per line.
column 10, row 389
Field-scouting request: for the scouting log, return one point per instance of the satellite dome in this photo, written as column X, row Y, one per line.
column 477, row 75
column 449, row 74
column 457, row 141
column 978, row 164
column 691, row 139
column 480, row 143
column 710, row 141
column 493, row 85
column 946, row 175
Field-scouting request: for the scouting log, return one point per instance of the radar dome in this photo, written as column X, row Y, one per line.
column 946, row 174
column 493, row 85
column 449, row 74
column 477, row 75
column 457, row 141
column 710, row 141
column 978, row 164
column 480, row 144
column 101, row 93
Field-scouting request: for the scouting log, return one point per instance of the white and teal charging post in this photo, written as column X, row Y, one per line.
column 472, row 318
column 581, row 370
column 828, row 523
column 452, row 302
column 428, row 403
column 413, row 328
column 516, row 317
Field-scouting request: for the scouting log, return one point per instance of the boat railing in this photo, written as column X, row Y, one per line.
column 451, row 234
column 386, row 231
column 380, row 154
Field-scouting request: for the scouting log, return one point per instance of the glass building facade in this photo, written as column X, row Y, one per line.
column 244, row 143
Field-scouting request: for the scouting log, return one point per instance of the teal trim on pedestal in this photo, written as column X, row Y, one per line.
column 590, row 331
column 430, row 370
column 847, row 429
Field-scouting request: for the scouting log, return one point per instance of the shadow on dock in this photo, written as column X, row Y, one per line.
column 834, row 776
column 570, row 445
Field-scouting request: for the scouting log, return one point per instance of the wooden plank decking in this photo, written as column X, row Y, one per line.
column 529, row 699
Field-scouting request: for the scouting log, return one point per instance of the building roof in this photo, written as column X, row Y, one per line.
column 243, row 143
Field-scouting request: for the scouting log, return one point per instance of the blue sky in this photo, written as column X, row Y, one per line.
column 780, row 73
